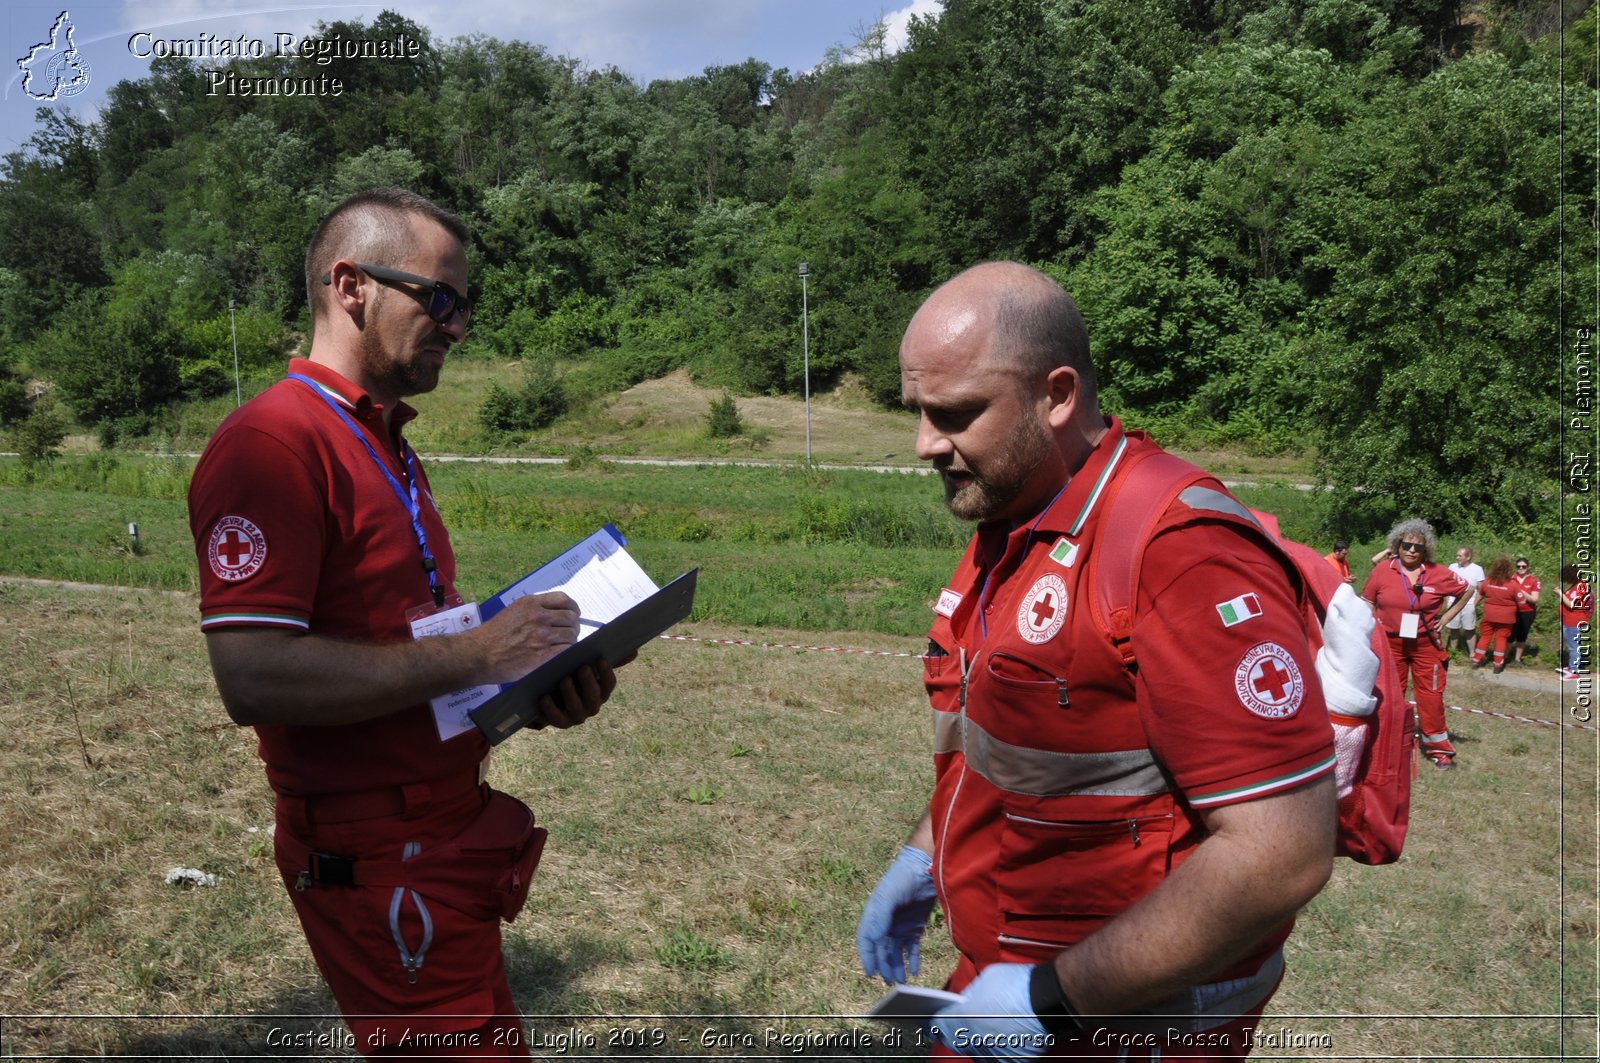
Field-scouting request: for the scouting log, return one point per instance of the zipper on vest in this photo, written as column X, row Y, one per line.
column 965, row 671
column 1133, row 832
column 1061, row 697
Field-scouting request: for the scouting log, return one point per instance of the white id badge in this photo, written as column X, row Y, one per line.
column 426, row 621
column 450, row 711
column 1408, row 625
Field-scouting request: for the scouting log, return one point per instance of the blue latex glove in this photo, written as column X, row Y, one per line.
column 995, row 1020
column 889, row 936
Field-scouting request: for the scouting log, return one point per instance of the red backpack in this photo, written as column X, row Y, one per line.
column 1373, row 727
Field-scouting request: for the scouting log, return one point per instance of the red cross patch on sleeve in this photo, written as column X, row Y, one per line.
column 236, row 550
column 1268, row 682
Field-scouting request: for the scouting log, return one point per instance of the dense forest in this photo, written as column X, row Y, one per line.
column 1359, row 229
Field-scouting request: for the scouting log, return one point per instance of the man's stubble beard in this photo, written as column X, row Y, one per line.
column 415, row 377
column 993, row 490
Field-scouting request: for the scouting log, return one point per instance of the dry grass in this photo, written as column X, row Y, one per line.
column 713, row 835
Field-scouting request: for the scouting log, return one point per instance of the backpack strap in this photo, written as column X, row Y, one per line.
column 1149, row 486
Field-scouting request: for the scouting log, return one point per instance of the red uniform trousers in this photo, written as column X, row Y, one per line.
column 1425, row 663
column 1498, row 635
column 454, row 1001
column 1229, row 1041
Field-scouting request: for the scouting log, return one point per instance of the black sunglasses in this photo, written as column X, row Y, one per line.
column 443, row 302
column 1411, row 546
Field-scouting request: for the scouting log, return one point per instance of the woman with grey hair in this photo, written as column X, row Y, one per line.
column 1408, row 594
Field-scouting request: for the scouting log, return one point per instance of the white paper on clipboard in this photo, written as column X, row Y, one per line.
column 598, row 573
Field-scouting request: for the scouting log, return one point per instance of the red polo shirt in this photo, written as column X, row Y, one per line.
column 297, row 527
column 1583, row 607
column 1392, row 595
column 1529, row 584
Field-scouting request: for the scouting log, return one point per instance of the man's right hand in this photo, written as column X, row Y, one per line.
column 525, row 634
column 889, row 936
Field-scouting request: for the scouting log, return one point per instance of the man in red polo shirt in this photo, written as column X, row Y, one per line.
column 321, row 552
column 1119, row 854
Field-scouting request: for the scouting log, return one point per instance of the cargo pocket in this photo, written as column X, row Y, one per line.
column 1057, row 880
column 1028, row 684
column 506, row 842
column 485, row 871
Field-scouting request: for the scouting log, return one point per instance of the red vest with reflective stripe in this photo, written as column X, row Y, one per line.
column 1050, row 812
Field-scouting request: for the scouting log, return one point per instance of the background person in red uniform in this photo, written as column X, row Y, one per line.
column 319, row 542
column 1500, row 593
column 1101, row 844
column 1408, row 593
column 1527, row 607
column 1577, row 607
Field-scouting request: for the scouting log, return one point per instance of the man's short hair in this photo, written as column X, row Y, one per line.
column 1342, row 544
column 1039, row 326
column 371, row 226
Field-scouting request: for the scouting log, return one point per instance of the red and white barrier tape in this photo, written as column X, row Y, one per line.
column 787, row 646
column 890, row 653
column 1524, row 719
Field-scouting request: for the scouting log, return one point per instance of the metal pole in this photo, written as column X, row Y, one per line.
column 233, row 325
column 805, row 342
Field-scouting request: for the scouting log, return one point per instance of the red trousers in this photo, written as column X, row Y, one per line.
column 1425, row 663
column 412, row 974
column 1498, row 635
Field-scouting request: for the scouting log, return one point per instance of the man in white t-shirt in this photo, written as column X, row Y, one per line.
column 1463, row 627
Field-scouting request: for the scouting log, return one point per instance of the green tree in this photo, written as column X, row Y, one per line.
column 1041, row 103
column 114, row 368
column 1439, row 321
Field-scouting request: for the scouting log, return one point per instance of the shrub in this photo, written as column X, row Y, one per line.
column 37, row 438
column 723, row 421
column 534, row 405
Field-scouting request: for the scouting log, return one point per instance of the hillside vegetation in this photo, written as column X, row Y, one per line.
column 1348, row 230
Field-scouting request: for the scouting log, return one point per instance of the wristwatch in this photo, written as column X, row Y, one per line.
column 1050, row 1002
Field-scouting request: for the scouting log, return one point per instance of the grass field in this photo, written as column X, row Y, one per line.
column 785, row 546
column 713, row 833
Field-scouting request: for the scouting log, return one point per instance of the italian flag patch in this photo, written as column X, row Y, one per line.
column 1064, row 553
column 1245, row 607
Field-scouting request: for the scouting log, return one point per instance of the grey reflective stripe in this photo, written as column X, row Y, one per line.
column 1204, row 1007
column 1206, row 498
column 1043, row 772
column 946, row 732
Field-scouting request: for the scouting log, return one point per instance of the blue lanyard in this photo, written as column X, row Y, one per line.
column 407, row 499
column 1412, row 595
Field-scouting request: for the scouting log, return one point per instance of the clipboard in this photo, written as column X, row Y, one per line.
column 911, row 1006
column 517, row 705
